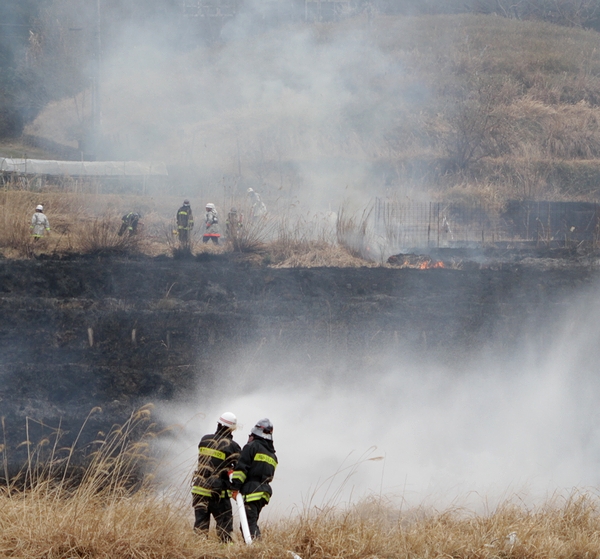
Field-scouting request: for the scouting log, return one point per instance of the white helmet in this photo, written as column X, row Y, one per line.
column 210, row 206
column 228, row 419
column 250, row 190
column 39, row 207
column 263, row 429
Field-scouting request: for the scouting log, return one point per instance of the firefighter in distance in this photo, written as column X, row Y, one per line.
column 185, row 222
column 212, row 225
column 39, row 223
column 129, row 222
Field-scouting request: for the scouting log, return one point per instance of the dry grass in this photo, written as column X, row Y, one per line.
column 315, row 254
column 248, row 234
column 88, row 224
column 115, row 512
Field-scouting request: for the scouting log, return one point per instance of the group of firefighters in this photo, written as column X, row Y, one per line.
column 185, row 223
column 226, row 470
column 233, row 225
column 184, row 219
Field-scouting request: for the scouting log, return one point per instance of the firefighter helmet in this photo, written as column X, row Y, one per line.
column 263, row 429
column 228, row 419
column 210, row 206
column 250, row 190
column 186, row 202
column 40, row 208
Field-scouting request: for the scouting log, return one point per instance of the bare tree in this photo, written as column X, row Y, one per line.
column 477, row 127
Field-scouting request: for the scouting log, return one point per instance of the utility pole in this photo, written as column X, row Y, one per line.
column 96, row 125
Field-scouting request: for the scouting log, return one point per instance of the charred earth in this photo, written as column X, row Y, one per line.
column 81, row 333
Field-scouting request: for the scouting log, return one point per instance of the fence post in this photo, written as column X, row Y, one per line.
column 429, row 226
column 438, row 225
column 549, row 223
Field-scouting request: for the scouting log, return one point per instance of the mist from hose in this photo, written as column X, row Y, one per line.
column 520, row 425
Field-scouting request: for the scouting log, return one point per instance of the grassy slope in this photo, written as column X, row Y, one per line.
column 498, row 107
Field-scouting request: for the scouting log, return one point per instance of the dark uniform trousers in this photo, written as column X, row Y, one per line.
column 252, row 513
column 220, row 508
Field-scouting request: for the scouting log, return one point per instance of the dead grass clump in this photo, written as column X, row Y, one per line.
column 100, row 237
column 374, row 529
column 111, row 511
column 352, row 233
column 314, row 254
column 244, row 232
column 308, row 242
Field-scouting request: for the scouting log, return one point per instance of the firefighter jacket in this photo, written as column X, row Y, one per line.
column 212, row 224
column 255, row 470
column 39, row 224
column 217, row 455
column 185, row 219
column 258, row 206
column 129, row 222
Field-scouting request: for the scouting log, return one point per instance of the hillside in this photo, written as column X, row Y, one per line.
column 440, row 105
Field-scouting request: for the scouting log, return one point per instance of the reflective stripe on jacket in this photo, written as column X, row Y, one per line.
column 185, row 218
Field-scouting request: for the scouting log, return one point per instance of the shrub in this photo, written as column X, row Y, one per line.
column 100, row 236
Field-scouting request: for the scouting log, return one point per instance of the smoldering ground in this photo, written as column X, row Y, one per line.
column 518, row 424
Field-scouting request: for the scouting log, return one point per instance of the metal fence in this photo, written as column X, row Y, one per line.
column 439, row 224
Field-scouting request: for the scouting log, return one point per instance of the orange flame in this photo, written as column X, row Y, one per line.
column 427, row 265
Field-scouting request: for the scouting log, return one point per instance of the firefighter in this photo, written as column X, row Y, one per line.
column 39, row 223
column 217, row 454
column 258, row 208
column 212, row 225
column 129, row 222
column 254, row 472
column 185, row 222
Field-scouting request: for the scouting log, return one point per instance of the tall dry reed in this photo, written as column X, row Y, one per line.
column 105, row 503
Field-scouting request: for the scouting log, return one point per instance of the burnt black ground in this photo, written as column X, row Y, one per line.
column 196, row 318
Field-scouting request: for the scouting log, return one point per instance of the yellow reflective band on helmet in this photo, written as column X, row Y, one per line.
column 264, row 458
column 201, row 491
column 257, row 496
column 212, row 452
column 241, row 476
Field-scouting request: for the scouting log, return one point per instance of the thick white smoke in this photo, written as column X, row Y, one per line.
column 299, row 112
column 522, row 426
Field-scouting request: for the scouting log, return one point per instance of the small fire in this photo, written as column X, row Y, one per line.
column 428, row 264
column 417, row 261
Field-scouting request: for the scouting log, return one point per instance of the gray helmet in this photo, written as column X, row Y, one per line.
column 263, row 429
column 186, row 202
